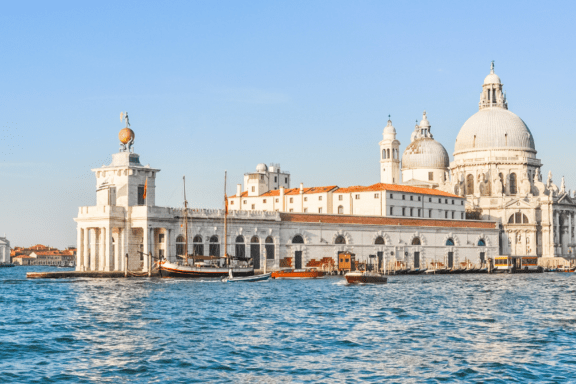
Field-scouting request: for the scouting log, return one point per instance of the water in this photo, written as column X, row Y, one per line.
column 497, row 328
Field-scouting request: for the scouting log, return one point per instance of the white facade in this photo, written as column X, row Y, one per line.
column 4, row 250
column 266, row 178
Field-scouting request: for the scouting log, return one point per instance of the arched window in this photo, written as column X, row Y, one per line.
column 513, row 189
column 340, row 209
column 297, row 240
column 416, row 241
column 269, row 248
column 214, row 246
column 470, row 184
column 384, row 154
column 240, row 247
column 518, row 218
column 254, row 239
column 180, row 245
column 389, row 152
column 450, row 242
column 197, row 246
column 340, row 240
column 379, row 240
column 481, row 243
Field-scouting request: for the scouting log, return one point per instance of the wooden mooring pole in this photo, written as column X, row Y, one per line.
column 126, row 266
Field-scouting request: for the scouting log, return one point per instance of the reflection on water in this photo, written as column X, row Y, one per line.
column 416, row 328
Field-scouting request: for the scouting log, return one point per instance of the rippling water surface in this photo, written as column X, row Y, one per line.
column 499, row 328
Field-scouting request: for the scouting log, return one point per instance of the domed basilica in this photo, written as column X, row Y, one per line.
column 496, row 169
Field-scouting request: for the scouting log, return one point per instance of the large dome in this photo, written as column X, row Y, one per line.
column 425, row 153
column 493, row 128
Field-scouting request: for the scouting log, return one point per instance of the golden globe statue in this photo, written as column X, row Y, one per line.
column 125, row 135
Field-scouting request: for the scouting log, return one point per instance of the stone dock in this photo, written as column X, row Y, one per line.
column 90, row 274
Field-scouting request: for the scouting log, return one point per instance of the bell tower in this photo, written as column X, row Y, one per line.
column 389, row 156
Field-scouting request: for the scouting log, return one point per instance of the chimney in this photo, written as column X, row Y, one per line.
column 282, row 208
column 301, row 187
column 238, row 190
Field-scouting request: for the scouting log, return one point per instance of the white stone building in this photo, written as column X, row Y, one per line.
column 4, row 250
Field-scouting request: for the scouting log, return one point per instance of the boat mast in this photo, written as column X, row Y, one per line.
column 225, row 222
column 185, row 222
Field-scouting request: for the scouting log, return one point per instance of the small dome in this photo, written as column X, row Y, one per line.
column 389, row 129
column 126, row 135
column 492, row 79
column 493, row 128
column 425, row 153
column 261, row 167
column 424, row 123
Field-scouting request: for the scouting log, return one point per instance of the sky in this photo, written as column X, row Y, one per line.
column 224, row 85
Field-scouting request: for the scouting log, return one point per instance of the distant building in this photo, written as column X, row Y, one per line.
column 4, row 250
column 42, row 255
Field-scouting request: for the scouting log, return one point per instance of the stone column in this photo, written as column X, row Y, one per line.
column 102, row 249
column 108, row 249
column 118, row 255
column 86, row 253
column 146, row 250
column 94, row 249
column 79, row 248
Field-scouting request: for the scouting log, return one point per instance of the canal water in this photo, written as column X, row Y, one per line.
column 464, row 328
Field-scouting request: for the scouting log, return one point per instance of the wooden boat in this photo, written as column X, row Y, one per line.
column 565, row 269
column 207, row 266
column 247, row 279
column 309, row 273
column 365, row 277
column 369, row 276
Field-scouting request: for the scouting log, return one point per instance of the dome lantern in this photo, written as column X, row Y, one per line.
column 492, row 95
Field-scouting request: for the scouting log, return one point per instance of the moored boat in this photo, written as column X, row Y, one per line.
column 248, row 279
column 365, row 277
column 298, row 274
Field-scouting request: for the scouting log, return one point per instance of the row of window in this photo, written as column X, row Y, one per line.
column 380, row 241
column 446, row 201
column 411, row 211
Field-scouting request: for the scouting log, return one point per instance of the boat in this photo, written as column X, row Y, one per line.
column 309, row 273
column 369, row 276
column 245, row 279
column 205, row 266
column 565, row 269
column 7, row 265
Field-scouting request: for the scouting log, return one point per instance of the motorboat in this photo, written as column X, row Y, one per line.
column 309, row 273
column 369, row 276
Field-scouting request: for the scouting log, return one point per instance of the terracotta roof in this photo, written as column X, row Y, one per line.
column 375, row 220
column 22, row 257
column 395, row 187
column 294, row 191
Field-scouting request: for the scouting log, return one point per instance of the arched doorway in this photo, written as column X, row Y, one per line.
column 269, row 248
column 255, row 251
column 240, row 247
column 214, row 246
column 298, row 254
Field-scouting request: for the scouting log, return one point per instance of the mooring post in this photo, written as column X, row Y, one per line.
column 150, row 265
column 126, row 266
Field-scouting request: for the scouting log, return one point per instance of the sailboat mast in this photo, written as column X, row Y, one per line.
column 226, row 221
column 185, row 222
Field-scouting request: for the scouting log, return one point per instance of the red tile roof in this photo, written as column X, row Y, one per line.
column 395, row 187
column 392, row 221
column 294, row 191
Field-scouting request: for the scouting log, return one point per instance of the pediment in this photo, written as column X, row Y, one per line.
column 565, row 199
column 518, row 203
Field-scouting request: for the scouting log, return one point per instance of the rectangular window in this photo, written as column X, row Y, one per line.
column 275, row 178
column 141, row 195
column 286, row 180
column 264, row 201
column 376, row 195
column 429, row 213
column 418, row 212
column 411, row 212
column 430, row 176
column 161, row 238
column 261, row 177
column 452, row 202
column 403, row 211
column 320, row 198
column 357, row 197
column 253, row 189
column 391, row 196
column 446, row 214
column 232, row 202
column 245, row 201
column 340, row 197
column 320, row 210
column 411, row 197
column 439, row 201
column 277, row 200
column 305, row 209
column 462, row 215
column 291, row 199
column 419, row 198
column 445, row 201
column 253, row 206
column 429, row 199
column 462, row 202
column 403, row 197
column 306, row 199
column 291, row 210
column 453, row 214
column 391, row 211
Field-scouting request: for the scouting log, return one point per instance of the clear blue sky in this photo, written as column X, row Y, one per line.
column 215, row 85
